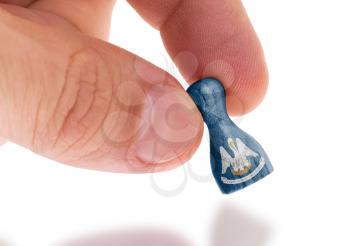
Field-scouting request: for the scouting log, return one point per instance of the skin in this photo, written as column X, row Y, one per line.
column 69, row 95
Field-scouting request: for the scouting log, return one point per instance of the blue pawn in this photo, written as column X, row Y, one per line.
column 237, row 159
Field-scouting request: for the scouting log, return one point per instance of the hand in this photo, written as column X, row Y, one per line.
column 67, row 94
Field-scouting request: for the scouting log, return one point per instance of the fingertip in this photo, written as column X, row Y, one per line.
column 175, row 128
column 171, row 124
column 209, row 39
column 249, row 90
column 245, row 80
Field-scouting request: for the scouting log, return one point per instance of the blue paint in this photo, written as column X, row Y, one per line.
column 237, row 159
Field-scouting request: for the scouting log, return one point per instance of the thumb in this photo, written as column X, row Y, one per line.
column 84, row 102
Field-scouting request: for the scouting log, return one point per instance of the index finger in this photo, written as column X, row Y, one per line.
column 212, row 39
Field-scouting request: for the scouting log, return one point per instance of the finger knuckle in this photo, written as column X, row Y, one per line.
column 83, row 103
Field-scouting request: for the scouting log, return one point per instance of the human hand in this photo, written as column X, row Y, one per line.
column 67, row 94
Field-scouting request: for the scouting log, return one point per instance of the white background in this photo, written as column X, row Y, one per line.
column 303, row 124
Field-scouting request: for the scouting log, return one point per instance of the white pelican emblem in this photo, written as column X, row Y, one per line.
column 239, row 165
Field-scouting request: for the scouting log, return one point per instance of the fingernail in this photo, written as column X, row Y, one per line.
column 175, row 125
